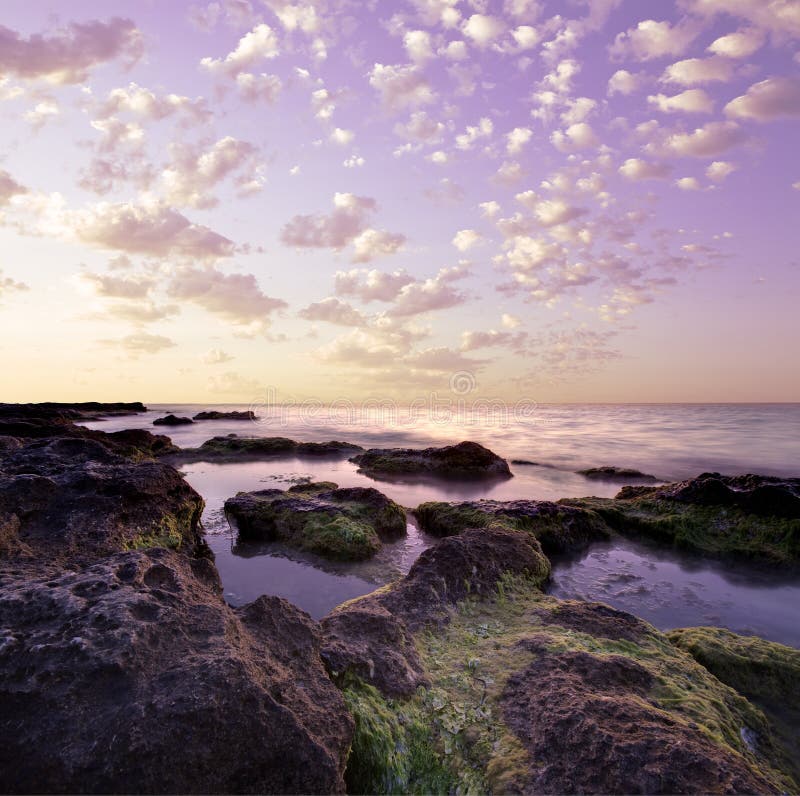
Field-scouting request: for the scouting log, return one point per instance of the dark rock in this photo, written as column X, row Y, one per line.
column 467, row 459
column 589, row 727
column 616, row 474
column 133, row 676
column 72, row 497
column 172, row 420
column 596, row 619
column 371, row 637
column 336, row 523
column 215, row 415
column 233, row 448
column 89, row 410
column 558, row 528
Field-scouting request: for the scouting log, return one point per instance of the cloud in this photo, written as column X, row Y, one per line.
column 719, row 170
column 230, row 383
column 9, row 187
column 342, row 137
column 693, row 100
column 637, row 169
column 235, row 298
column 482, row 29
column 473, row 341
column 114, row 286
column 141, row 343
column 692, row 71
column 688, row 184
column 371, row 285
column 195, row 172
column 215, row 356
column 373, row 243
column 473, row 133
column 333, row 310
column 258, row 87
column 71, row 52
column 623, row 82
column 437, row 293
column 770, row 99
column 780, row 17
column 9, row 285
column 740, row 44
column 152, row 229
column 710, row 140
column 401, row 86
column 418, row 45
column 420, row 128
column 259, row 44
column 142, row 102
column 42, row 112
column 517, row 138
column 465, row 239
column 510, row 321
column 651, row 39
column 333, row 231
column 575, row 137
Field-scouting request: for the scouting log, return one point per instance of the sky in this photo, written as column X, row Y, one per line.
column 541, row 200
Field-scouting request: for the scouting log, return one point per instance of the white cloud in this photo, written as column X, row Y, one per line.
column 42, row 112
column 489, row 209
column 623, row 82
column 740, row 44
column 710, row 140
column 373, row 243
column 770, row 99
column 259, row 44
column 693, row 100
column 418, row 45
column 510, row 321
column 465, row 239
column 258, row 87
column 651, row 39
column 141, row 343
column 692, row 71
column 483, row 129
column 483, row 29
column 347, row 220
column 142, row 102
column 420, row 128
column 333, row 310
column 437, row 293
column 719, row 170
column 342, row 137
column 575, row 137
column 401, row 86
column 371, row 285
column 688, row 184
column 637, row 169
column 215, row 356
column 517, row 138
column 780, row 17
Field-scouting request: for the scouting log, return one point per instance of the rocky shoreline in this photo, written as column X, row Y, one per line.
column 123, row 669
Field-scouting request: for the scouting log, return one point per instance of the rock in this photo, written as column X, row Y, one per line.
column 768, row 674
column 136, row 443
column 463, row 677
column 215, row 415
column 347, row 524
column 752, row 518
column 172, row 420
column 558, row 528
column 467, row 459
column 616, row 474
column 233, row 447
column 69, row 498
column 89, row 410
column 132, row 675
column 370, row 637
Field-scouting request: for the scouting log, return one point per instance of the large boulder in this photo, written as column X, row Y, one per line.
column 217, row 415
column 233, row 448
column 63, row 498
column 347, row 524
column 466, row 460
column 132, row 675
column 173, row 420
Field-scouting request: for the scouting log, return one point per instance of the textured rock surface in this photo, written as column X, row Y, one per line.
column 68, row 498
column 215, row 415
column 616, row 474
column 173, row 420
column 558, row 528
column 467, row 459
column 233, row 448
column 335, row 523
column 132, row 675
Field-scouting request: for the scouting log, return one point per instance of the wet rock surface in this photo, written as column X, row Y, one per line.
column 608, row 473
column 173, row 420
column 346, row 524
column 235, row 448
column 467, row 459
column 558, row 528
column 133, row 675
column 216, row 415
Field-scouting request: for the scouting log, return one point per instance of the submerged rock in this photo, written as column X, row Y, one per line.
column 467, row 459
column 747, row 517
column 558, row 528
column 72, row 497
column 172, row 420
column 347, row 524
column 233, row 447
column 132, row 675
column 616, row 474
column 215, row 415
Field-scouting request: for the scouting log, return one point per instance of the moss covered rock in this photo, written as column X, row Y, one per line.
column 558, row 528
column 344, row 524
column 233, row 447
column 467, row 459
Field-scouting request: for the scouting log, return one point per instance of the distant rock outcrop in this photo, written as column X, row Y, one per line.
column 173, row 420
column 215, row 415
column 233, row 448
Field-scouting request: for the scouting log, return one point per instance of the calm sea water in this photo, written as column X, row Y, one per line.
column 669, row 441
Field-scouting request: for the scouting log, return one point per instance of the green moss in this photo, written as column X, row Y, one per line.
column 170, row 531
column 721, row 531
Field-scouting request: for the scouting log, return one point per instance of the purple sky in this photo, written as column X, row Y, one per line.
column 567, row 201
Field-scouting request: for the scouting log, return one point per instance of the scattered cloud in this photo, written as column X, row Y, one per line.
column 333, row 310
column 769, row 99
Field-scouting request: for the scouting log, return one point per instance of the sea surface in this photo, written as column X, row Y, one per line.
column 670, row 441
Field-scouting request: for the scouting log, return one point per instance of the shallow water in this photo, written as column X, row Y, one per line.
column 666, row 588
